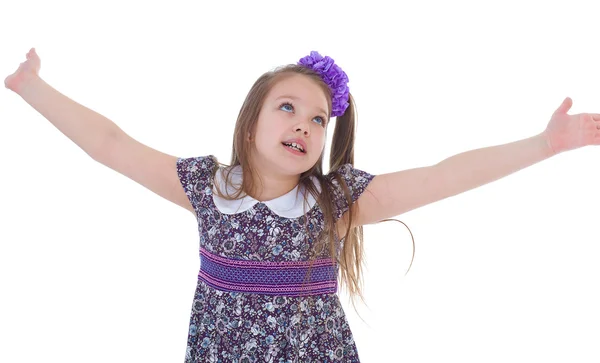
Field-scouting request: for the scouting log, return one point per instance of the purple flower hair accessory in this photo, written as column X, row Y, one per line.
column 333, row 76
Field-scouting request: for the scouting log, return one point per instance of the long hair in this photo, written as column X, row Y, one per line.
column 350, row 258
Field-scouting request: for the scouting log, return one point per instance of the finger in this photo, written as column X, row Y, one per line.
column 596, row 116
column 565, row 106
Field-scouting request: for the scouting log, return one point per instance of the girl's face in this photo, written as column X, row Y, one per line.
column 295, row 110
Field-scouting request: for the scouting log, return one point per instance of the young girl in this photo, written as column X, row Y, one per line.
column 276, row 233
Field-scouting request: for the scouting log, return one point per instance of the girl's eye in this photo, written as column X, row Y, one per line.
column 291, row 108
column 287, row 104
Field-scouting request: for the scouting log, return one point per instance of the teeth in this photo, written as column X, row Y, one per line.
column 295, row 146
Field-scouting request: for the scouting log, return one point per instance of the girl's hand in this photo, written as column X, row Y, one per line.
column 566, row 132
column 27, row 70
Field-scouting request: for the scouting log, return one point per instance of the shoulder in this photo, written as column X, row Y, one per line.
column 195, row 163
column 348, row 176
column 347, row 184
column 195, row 172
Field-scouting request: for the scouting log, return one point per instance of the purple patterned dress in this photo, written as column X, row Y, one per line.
column 252, row 302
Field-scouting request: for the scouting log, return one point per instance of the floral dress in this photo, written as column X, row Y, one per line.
column 253, row 302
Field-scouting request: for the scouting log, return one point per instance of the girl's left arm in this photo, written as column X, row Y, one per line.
column 392, row 194
column 474, row 168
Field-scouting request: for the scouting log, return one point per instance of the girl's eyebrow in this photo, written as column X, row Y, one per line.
column 296, row 99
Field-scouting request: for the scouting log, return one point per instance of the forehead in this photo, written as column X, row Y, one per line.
column 301, row 89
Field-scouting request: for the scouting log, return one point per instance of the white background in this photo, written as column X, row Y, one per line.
column 95, row 268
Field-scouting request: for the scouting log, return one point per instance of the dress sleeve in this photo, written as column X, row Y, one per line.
column 356, row 181
column 194, row 175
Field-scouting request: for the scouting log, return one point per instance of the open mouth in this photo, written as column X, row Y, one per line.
column 294, row 147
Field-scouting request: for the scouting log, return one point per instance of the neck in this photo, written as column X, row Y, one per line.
column 271, row 184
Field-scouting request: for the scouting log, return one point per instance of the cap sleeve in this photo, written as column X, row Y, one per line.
column 194, row 175
column 356, row 180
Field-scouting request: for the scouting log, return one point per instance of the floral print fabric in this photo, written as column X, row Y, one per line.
column 232, row 326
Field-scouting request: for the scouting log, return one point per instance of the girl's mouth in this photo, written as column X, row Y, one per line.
column 292, row 149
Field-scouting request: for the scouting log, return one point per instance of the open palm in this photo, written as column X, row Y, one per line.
column 566, row 132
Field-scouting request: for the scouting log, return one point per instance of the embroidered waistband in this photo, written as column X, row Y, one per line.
column 270, row 278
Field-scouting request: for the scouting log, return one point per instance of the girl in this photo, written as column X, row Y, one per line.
column 276, row 233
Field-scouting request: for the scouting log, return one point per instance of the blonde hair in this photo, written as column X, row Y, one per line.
column 342, row 152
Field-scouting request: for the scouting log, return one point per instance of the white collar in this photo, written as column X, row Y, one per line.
column 288, row 205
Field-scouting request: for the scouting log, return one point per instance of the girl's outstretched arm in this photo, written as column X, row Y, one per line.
column 474, row 168
column 86, row 128
column 389, row 195
column 98, row 136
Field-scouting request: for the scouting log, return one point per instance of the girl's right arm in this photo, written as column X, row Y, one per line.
column 98, row 136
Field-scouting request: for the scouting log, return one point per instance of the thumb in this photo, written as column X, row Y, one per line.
column 565, row 106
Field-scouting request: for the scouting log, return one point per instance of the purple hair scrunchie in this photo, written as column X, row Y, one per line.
column 333, row 76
